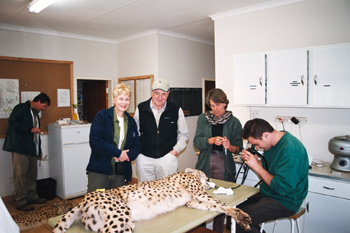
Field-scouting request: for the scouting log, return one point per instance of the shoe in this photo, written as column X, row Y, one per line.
column 38, row 201
column 25, row 207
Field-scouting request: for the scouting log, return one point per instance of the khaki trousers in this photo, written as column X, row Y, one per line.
column 25, row 172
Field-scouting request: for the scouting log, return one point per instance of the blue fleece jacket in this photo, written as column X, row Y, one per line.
column 103, row 147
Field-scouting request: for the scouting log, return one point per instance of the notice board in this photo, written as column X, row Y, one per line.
column 141, row 87
column 189, row 99
column 40, row 75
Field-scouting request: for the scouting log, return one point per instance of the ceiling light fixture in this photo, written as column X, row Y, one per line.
column 38, row 5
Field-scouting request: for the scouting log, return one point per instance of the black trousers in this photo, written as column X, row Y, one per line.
column 261, row 209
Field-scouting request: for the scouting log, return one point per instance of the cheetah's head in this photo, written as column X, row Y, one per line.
column 206, row 182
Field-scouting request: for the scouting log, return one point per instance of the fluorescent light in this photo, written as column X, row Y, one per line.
column 38, row 5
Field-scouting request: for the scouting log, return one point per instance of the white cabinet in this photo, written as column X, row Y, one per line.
column 328, row 205
column 330, row 75
column 317, row 77
column 69, row 153
column 249, row 79
column 287, row 77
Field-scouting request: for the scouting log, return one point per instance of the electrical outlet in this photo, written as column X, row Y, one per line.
column 254, row 114
column 302, row 120
column 283, row 119
column 287, row 119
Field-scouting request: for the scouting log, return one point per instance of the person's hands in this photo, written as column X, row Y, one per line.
column 250, row 159
column 40, row 157
column 173, row 152
column 226, row 143
column 216, row 140
column 123, row 156
column 35, row 130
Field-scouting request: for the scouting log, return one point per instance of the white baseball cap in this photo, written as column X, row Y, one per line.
column 161, row 84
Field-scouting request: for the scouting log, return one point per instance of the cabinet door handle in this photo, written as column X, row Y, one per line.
column 302, row 80
column 325, row 187
column 315, row 80
column 308, row 207
column 260, row 81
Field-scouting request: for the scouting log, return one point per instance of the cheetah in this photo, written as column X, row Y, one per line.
column 39, row 217
column 116, row 210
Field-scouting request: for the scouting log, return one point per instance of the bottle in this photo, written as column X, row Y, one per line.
column 75, row 115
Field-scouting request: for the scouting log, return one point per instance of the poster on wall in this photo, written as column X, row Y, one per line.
column 9, row 96
column 63, row 98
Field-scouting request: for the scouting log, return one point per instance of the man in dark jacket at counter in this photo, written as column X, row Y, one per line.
column 23, row 141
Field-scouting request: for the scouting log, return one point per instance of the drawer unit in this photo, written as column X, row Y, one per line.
column 327, row 205
column 329, row 187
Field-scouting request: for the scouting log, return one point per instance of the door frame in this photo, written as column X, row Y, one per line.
column 109, row 88
column 203, row 91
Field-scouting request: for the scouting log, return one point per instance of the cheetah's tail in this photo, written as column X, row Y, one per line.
column 68, row 219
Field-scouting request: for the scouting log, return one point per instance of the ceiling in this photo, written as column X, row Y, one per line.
column 117, row 20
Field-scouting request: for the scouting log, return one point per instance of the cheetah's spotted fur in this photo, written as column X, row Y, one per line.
column 39, row 217
column 116, row 210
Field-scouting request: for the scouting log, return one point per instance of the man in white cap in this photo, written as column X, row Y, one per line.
column 163, row 134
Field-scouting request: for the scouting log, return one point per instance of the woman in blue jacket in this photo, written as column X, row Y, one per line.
column 114, row 143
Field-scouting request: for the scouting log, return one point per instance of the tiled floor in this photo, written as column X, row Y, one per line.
column 11, row 207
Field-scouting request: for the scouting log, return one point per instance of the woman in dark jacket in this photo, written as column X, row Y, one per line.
column 114, row 143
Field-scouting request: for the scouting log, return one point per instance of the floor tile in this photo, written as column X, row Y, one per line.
column 41, row 229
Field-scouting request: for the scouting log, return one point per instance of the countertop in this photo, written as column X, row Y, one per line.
column 325, row 172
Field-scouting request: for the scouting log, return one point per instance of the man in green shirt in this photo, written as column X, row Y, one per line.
column 284, row 174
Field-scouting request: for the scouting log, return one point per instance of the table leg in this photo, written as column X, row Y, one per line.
column 233, row 225
column 233, row 221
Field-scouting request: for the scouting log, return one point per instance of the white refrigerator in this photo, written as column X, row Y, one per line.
column 69, row 153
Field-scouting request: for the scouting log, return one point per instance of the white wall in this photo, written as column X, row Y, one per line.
column 90, row 59
column 184, row 63
column 304, row 24
column 138, row 57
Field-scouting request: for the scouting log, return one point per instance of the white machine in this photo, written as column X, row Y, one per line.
column 340, row 147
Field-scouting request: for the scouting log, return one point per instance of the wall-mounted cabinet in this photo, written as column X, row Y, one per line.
column 287, row 76
column 249, row 79
column 314, row 77
column 330, row 76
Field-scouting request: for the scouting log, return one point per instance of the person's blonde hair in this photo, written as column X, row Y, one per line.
column 121, row 88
